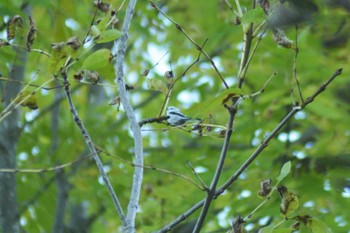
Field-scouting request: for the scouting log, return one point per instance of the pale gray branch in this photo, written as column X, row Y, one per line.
column 135, row 128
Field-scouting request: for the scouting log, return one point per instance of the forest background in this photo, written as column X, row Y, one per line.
column 266, row 83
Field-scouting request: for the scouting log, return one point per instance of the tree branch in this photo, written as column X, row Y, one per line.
column 135, row 127
column 211, row 192
column 253, row 156
column 200, row 48
column 92, row 148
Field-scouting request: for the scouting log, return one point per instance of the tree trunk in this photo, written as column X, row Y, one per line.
column 9, row 134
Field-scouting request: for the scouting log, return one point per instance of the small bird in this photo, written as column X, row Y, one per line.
column 175, row 117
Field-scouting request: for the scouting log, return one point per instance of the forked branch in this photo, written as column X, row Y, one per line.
column 254, row 155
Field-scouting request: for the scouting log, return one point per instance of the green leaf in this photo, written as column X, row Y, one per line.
column 285, row 170
column 254, row 15
column 98, row 60
column 268, row 229
column 316, row 226
column 156, row 84
column 95, row 31
column 282, row 230
column 213, row 105
column 103, row 24
column 108, row 36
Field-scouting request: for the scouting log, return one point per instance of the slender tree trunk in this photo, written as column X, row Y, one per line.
column 9, row 134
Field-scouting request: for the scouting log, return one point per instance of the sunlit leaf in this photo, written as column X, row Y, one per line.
column 108, row 36
column 215, row 104
column 282, row 230
column 268, row 229
column 156, row 84
column 103, row 23
column 255, row 15
column 58, row 54
column 314, row 225
column 97, row 60
column 95, row 31
column 285, row 170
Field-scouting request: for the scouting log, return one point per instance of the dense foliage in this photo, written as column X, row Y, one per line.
column 316, row 140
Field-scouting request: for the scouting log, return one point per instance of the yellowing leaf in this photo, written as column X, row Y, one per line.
column 290, row 201
column 27, row 99
column 58, row 53
column 14, row 22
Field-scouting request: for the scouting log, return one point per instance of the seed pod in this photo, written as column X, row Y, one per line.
column 92, row 76
column 31, row 35
column 265, row 188
column 74, row 43
column 102, row 6
column 114, row 101
column 14, row 22
column 169, row 76
column 78, row 76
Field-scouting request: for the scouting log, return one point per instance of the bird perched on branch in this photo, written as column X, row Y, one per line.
column 175, row 117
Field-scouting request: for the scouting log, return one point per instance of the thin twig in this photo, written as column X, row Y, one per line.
column 205, row 187
column 92, row 148
column 135, row 127
column 31, row 50
column 295, row 76
column 171, row 87
column 243, row 73
column 89, row 30
column 42, row 170
column 150, row 167
column 200, row 48
column 262, row 90
column 253, row 156
column 247, row 38
column 16, row 103
column 29, row 84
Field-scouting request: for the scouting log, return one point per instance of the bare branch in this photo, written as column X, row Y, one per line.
column 135, row 127
column 211, row 194
column 295, row 76
column 92, row 148
column 200, row 48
